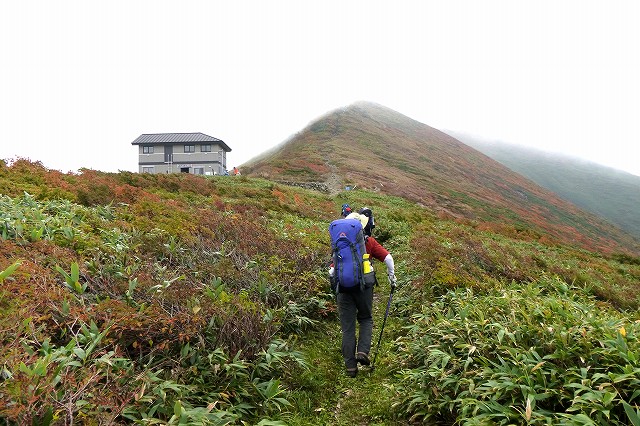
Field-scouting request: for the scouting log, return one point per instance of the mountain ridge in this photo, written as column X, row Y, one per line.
column 371, row 146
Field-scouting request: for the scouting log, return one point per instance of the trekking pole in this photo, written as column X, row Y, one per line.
column 386, row 314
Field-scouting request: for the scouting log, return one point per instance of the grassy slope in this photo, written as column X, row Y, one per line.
column 610, row 193
column 256, row 224
column 433, row 258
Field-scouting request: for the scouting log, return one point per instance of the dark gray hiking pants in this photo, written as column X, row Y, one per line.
column 352, row 307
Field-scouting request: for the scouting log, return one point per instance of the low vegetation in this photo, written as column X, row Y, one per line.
column 178, row 299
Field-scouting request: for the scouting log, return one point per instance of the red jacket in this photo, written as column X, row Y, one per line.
column 375, row 249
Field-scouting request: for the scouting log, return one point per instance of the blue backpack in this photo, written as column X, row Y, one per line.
column 348, row 248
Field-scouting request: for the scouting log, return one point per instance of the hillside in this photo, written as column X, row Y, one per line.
column 610, row 193
column 369, row 146
column 178, row 299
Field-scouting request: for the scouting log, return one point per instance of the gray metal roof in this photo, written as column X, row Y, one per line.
column 168, row 138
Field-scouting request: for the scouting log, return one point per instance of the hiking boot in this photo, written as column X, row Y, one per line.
column 352, row 372
column 362, row 358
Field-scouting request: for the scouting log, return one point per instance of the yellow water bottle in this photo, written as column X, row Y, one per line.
column 366, row 263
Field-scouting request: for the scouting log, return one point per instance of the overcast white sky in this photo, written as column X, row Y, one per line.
column 80, row 80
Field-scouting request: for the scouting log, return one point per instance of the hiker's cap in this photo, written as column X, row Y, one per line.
column 362, row 218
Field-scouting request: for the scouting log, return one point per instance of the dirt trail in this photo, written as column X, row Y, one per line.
column 353, row 402
column 334, row 181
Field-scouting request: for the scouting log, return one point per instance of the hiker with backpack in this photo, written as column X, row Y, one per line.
column 352, row 279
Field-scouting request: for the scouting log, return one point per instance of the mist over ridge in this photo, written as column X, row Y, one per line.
column 608, row 192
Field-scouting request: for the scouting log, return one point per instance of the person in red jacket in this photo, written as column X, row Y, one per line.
column 357, row 305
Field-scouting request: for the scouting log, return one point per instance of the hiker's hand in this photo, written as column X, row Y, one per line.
column 392, row 280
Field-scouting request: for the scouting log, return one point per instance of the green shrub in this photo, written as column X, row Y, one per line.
column 535, row 354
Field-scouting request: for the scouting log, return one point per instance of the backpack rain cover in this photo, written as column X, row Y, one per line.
column 348, row 246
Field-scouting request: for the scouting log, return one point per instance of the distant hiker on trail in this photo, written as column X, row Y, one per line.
column 236, row 172
column 352, row 278
column 346, row 210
